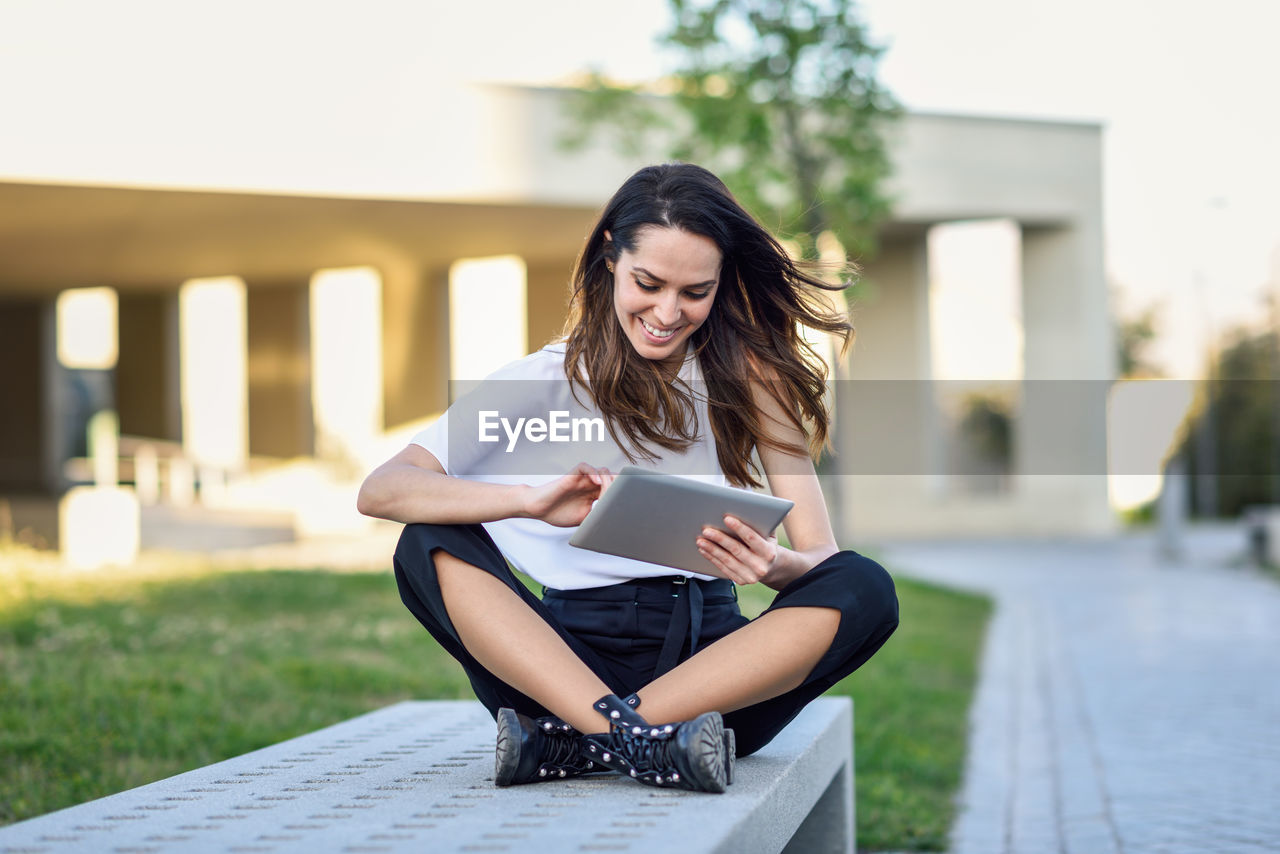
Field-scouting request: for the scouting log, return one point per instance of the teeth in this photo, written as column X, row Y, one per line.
column 657, row 333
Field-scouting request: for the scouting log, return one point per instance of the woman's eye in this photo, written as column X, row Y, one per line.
column 653, row 289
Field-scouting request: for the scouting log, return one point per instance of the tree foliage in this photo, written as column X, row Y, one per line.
column 1134, row 337
column 986, row 430
column 781, row 99
column 1241, row 452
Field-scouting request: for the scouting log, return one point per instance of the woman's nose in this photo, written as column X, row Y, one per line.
column 667, row 311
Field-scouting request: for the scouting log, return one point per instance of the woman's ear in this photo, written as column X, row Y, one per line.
column 606, row 249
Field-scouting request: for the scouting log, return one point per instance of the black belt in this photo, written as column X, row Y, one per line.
column 686, row 612
column 686, row 619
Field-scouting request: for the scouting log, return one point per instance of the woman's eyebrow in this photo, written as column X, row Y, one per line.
column 663, row 281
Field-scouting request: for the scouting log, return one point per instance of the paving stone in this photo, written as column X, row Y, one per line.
column 1125, row 703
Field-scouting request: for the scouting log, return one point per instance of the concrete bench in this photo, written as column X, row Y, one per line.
column 418, row 776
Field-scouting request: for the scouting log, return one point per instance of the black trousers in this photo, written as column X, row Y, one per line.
column 620, row 631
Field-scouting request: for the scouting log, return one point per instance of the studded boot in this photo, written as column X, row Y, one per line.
column 686, row 755
column 730, row 741
column 533, row 750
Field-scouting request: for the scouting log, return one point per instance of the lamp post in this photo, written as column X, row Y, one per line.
column 1273, row 384
column 1206, row 495
column 1206, row 469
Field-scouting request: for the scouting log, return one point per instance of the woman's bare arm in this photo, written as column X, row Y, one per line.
column 792, row 476
column 808, row 525
column 412, row 487
column 752, row 558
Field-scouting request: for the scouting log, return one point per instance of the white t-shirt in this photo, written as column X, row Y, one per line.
column 483, row 438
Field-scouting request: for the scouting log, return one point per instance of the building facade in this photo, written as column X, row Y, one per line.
column 262, row 346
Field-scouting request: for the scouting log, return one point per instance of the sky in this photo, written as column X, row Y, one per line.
column 1185, row 92
column 1192, row 183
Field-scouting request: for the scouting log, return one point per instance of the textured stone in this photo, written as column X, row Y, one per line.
column 1126, row 704
column 418, row 776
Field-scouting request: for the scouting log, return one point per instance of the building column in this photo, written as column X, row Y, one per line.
column 888, row 452
column 148, row 382
column 281, row 421
column 1060, row 456
column 548, row 302
column 415, row 343
column 30, row 435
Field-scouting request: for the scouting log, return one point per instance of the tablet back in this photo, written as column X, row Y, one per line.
column 657, row 518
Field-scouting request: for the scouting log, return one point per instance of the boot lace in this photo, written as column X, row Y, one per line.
column 646, row 748
column 561, row 746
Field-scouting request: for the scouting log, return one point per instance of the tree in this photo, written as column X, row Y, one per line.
column 1134, row 337
column 1245, row 434
column 780, row 98
column 981, row 452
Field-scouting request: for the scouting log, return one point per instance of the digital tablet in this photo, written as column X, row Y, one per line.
column 658, row 518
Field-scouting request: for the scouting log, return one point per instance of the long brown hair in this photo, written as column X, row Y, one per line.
column 751, row 335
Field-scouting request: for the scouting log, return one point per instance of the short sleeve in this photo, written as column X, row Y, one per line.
column 435, row 438
column 474, row 439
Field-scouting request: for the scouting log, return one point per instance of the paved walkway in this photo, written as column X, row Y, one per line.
column 1126, row 704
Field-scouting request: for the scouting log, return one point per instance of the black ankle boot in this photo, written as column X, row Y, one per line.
column 686, row 755
column 533, row 750
column 730, row 741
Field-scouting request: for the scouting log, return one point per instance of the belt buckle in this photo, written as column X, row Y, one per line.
column 680, row 579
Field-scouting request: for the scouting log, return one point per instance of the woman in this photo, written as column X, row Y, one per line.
column 684, row 338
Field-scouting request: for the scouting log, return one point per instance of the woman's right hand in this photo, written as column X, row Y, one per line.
column 565, row 501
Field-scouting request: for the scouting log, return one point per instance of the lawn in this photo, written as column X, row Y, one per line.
column 112, row 680
column 911, row 706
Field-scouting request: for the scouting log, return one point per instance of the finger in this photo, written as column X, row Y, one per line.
column 586, row 469
column 727, row 542
column 730, row 570
column 732, row 556
column 765, row 547
column 744, row 532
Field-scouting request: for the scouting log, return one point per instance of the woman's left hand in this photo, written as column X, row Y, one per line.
column 743, row 555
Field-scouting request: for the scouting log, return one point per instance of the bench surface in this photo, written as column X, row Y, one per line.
column 418, row 776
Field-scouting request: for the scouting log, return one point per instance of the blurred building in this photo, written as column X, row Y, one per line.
column 262, row 345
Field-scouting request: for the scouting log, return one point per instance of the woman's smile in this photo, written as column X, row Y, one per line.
column 659, row 335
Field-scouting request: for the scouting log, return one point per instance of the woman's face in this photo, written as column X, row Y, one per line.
column 663, row 290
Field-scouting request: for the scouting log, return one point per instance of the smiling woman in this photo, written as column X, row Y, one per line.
column 685, row 339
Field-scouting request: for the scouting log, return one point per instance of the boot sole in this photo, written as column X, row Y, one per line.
column 507, row 754
column 706, row 756
column 730, row 755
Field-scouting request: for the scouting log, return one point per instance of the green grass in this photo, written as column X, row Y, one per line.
column 911, row 704
column 109, row 691
column 110, row 681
